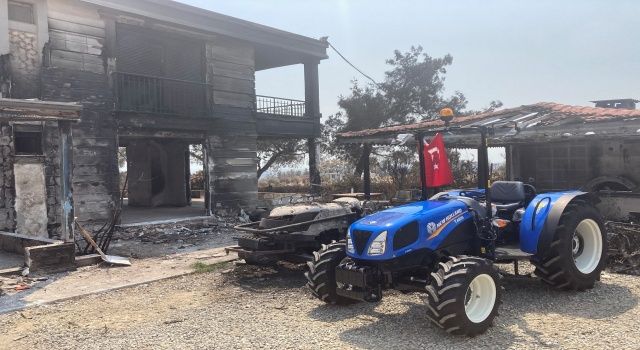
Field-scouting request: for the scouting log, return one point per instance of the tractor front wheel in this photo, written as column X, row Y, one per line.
column 464, row 295
column 577, row 254
column 321, row 275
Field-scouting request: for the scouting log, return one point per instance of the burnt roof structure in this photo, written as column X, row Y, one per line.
column 542, row 122
column 273, row 47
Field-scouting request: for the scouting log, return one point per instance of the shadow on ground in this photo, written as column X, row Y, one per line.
column 267, row 278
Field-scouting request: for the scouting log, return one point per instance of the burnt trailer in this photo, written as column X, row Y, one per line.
column 553, row 146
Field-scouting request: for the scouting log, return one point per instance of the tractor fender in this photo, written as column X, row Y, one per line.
column 542, row 217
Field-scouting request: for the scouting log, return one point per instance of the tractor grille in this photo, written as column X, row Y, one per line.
column 360, row 239
column 406, row 235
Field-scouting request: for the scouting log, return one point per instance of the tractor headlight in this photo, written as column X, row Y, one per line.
column 350, row 248
column 378, row 245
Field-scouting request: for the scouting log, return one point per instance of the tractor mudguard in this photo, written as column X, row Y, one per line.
column 541, row 218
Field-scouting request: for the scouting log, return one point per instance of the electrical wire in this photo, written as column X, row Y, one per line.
column 353, row 66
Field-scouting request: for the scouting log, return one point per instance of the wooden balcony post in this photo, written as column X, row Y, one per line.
column 312, row 110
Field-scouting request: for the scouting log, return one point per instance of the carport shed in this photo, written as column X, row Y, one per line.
column 558, row 146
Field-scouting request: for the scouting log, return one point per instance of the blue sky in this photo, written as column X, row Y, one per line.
column 516, row 51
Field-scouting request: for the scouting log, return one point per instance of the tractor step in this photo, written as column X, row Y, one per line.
column 510, row 253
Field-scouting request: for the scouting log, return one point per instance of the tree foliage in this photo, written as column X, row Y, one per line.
column 413, row 90
column 275, row 153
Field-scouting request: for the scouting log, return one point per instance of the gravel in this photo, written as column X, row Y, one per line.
column 265, row 308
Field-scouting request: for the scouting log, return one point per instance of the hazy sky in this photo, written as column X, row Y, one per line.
column 515, row 51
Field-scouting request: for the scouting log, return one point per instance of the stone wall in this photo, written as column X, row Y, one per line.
column 51, row 165
column 7, row 191
column 25, row 64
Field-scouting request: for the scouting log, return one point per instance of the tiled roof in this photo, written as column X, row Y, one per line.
column 539, row 114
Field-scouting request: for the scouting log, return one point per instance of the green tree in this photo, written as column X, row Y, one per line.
column 413, row 90
column 275, row 153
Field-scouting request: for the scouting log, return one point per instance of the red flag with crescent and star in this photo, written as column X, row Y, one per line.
column 436, row 163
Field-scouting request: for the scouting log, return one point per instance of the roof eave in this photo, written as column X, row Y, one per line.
column 215, row 23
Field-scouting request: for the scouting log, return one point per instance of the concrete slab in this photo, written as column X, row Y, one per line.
column 134, row 215
column 100, row 279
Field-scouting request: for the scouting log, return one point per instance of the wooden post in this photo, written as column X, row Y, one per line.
column 366, row 148
column 314, row 174
column 207, row 185
column 66, row 172
column 312, row 110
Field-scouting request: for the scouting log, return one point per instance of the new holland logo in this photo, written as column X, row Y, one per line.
column 434, row 229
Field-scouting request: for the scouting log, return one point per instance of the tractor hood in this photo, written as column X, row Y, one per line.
column 408, row 227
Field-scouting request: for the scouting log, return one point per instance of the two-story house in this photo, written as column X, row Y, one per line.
column 154, row 77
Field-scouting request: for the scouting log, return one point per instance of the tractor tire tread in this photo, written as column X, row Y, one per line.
column 446, row 291
column 321, row 273
column 556, row 266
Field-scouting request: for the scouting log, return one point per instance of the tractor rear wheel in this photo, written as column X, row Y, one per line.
column 577, row 255
column 464, row 295
column 321, row 275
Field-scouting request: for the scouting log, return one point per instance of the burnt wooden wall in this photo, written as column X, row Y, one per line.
column 231, row 72
column 75, row 70
column 231, row 145
column 573, row 164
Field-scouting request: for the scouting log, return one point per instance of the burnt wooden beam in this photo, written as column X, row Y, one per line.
column 12, row 109
column 51, row 257
column 66, row 187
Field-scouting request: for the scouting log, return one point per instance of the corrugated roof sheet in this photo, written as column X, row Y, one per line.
column 539, row 114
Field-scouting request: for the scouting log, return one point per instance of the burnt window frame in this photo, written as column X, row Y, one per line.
column 22, row 4
column 33, row 132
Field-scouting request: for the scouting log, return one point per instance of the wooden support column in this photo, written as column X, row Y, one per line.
column 207, row 177
column 66, row 173
column 366, row 148
column 508, row 154
column 312, row 110
column 314, row 173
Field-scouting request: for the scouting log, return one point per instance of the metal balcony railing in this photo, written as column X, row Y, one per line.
column 280, row 106
column 161, row 95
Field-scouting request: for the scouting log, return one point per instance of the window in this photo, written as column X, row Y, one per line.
column 21, row 12
column 28, row 142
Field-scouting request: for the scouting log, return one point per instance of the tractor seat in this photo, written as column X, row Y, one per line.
column 507, row 195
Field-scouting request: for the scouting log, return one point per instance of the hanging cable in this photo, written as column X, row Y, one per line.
column 352, row 65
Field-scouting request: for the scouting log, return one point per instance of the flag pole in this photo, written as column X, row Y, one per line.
column 423, row 175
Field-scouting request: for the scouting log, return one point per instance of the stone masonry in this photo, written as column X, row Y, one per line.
column 7, row 191
column 26, row 60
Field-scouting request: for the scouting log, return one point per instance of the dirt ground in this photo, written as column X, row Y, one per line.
column 241, row 306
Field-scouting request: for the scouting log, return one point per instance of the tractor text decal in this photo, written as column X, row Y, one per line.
column 434, row 229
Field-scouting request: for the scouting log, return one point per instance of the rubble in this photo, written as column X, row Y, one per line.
column 15, row 284
column 624, row 247
column 147, row 240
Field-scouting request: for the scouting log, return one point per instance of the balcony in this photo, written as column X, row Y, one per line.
column 275, row 106
column 279, row 117
column 161, row 95
column 137, row 94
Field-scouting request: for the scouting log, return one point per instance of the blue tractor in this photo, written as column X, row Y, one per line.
column 446, row 247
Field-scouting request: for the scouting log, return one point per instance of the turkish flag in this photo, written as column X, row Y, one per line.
column 436, row 163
